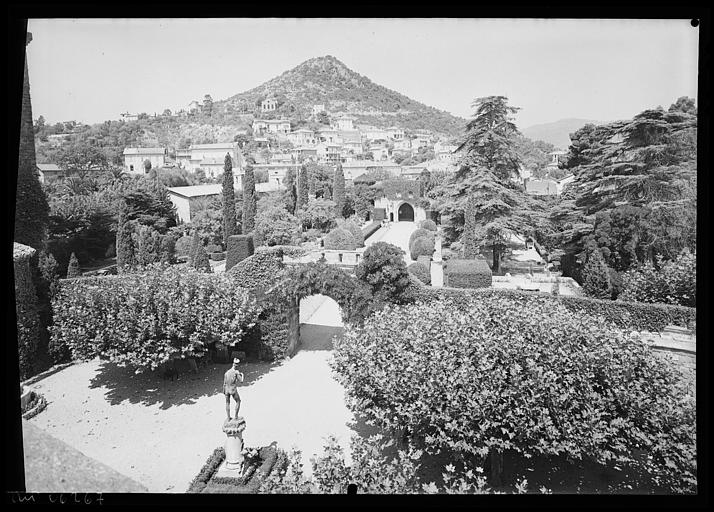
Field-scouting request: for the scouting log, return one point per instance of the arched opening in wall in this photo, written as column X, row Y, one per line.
column 406, row 213
column 391, row 217
column 320, row 322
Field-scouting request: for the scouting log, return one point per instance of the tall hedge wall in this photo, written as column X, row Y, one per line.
column 467, row 274
column 239, row 248
column 26, row 309
column 371, row 229
column 379, row 214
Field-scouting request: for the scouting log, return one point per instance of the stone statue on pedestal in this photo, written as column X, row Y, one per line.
column 234, row 443
column 230, row 387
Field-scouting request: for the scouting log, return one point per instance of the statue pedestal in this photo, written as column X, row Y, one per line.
column 234, row 445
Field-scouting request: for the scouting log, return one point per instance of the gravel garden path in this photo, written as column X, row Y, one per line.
column 398, row 234
column 160, row 432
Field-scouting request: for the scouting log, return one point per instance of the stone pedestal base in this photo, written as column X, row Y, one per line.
column 226, row 471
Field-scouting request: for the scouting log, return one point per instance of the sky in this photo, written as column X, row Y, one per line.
column 603, row 70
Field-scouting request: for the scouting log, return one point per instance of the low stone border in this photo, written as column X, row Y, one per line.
column 37, row 409
column 46, row 373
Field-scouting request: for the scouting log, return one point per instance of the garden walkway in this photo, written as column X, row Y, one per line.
column 160, row 432
column 398, row 234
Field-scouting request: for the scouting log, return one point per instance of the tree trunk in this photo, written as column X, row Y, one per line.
column 496, row 259
column 496, row 467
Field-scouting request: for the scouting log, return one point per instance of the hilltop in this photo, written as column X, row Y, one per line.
column 329, row 82
column 557, row 132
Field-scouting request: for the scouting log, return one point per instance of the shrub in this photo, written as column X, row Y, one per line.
column 428, row 224
column 144, row 319
column 422, row 246
column 419, row 233
column 207, row 471
column 183, row 245
column 384, row 270
column 73, row 268
column 213, row 248
column 259, row 469
column 537, row 379
column 371, row 229
column 379, row 214
column 421, row 272
column 674, row 283
column 28, row 321
column 467, row 274
column 201, row 263
column 239, row 248
column 596, row 277
column 274, row 225
column 340, row 238
column 195, row 244
column 353, row 227
column 218, row 256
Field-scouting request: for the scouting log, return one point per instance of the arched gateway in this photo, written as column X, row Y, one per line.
column 406, row 213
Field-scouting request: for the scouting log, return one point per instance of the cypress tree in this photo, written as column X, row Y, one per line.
column 193, row 252
column 249, row 200
column 303, row 187
column 338, row 188
column 73, row 268
column 311, row 192
column 124, row 245
column 229, row 202
column 291, row 190
column 596, row 277
column 201, row 262
column 31, row 208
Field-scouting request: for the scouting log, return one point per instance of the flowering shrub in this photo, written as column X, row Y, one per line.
column 340, row 238
column 143, row 320
column 494, row 374
column 674, row 283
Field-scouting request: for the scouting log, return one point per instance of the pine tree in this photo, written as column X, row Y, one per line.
column 303, row 188
column 230, row 226
column 193, row 252
column 596, row 277
column 31, row 208
column 126, row 258
column 73, row 268
column 249, row 200
column 470, row 244
column 339, row 191
column 201, row 262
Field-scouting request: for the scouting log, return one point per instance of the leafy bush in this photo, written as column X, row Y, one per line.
column 274, row 225
column 674, row 283
column 422, row 246
column 144, row 319
column 183, row 245
column 494, row 374
column 428, row 224
column 239, row 248
column 318, row 214
column 210, row 248
column 384, row 270
column 371, row 229
column 207, row 471
column 258, row 272
column 73, row 268
column 218, row 256
column 353, row 227
column 421, row 272
column 419, row 233
column 340, row 239
column 201, row 262
column 258, row 469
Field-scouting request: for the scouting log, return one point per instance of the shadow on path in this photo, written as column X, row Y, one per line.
column 318, row 337
column 150, row 388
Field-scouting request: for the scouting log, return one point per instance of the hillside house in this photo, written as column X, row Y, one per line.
column 374, row 134
column 263, row 126
column 277, row 171
column 329, row 153
column 305, row 153
column 187, row 199
column 344, row 123
column 302, row 137
column 395, row 133
column 211, row 157
column 379, row 153
column 328, row 135
column 316, row 109
column 183, row 158
column 351, row 141
column 269, row 105
column 541, row 187
column 50, row 172
column 403, row 145
column 134, row 159
column 556, row 158
column 126, row 116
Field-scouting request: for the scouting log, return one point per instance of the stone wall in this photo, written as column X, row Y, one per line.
column 680, row 345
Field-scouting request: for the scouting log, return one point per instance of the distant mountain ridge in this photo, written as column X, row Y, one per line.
column 557, row 132
column 328, row 81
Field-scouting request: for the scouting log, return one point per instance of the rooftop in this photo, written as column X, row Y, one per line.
column 21, row 251
column 218, row 145
column 49, row 167
column 144, row 151
column 197, row 190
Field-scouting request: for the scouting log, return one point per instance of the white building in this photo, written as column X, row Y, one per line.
column 403, row 145
column 316, row 109
column 183, row 158
column 185, row 199
column 211, row 157
column 276, row 171
column 395, row 133
column 329, row 153
column 269, row 105
column 379, row 153
column 328, row 135
column 134, row 159
column 374, row 134
column 302, row 137
column 194, row 107
column 50, row 172
column 126, row 116
column 400, row 201
column 344, row 123
column 556, row 158
column 351, row 141
column 563, row 182
column 263, row 126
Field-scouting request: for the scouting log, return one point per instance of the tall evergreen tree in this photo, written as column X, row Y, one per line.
column 469, row 236
column 311, row 187
column 303, row 188
column 249, row 200
column 126, row 258
column 596, row 277
column 193, row 251
column 230, row 226
column 73, row 268
column 290, row 182
column 201, row 263
column 31, row 208
column 339, row 191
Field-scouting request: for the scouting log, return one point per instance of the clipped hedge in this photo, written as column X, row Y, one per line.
column 239, row 248
column 467, row 274
column 248, row 483
column 258, row 272
column 340, row 239
column 207, row 471
column 371, row 229
column 422, row 246
column 487, row 375
column 351, row 226
column 428, row 224
column 424, row 260
column 421, row 272
column 183, row 245
column 632, row 316
column 218, row 256
column 419, row 233
column 145, row 319
column 379, row 214
column 26, row 309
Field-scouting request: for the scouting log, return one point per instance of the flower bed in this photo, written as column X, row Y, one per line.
column 258, row 465
column 35, row 406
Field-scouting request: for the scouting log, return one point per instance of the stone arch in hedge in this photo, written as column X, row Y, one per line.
column 304, row 280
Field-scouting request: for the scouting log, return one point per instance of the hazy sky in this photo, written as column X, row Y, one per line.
column 91, row 70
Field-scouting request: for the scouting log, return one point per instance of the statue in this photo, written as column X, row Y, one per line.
column 230, row 387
